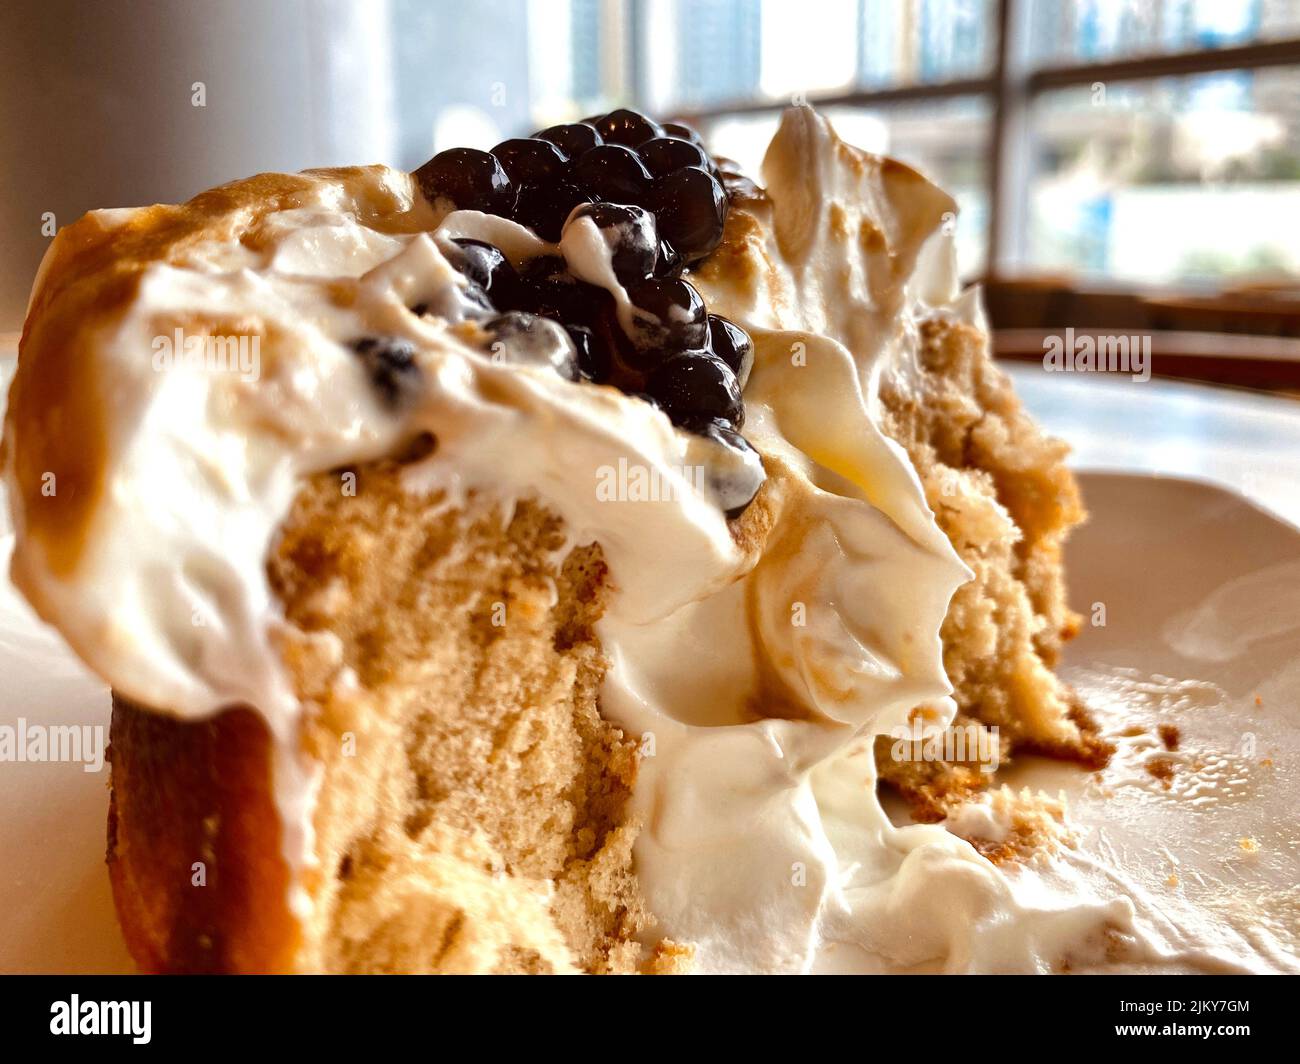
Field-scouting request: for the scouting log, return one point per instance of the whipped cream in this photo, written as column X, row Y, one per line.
column 764, row 839
column 756, row 680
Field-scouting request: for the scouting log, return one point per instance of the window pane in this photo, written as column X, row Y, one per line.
column 455, row 81
column 809, row 47
column 946, row 139
column 578, row 60
column 702, row 53
column 698, row 54
column 914, row 41
column 743, row 138
column 1081, row 30
column 1180, row 179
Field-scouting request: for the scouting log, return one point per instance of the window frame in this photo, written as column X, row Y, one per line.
column 1011, row 86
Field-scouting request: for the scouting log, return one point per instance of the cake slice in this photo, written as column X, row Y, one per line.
column 522, row 565
column 997, row 485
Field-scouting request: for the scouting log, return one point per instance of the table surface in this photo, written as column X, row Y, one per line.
column 1245, row 441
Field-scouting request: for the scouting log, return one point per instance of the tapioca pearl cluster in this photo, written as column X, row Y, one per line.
column 677, row 355
column 622, row 157
column 660, row 203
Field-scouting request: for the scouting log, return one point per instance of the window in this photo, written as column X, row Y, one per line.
column 1155, row 141
column 1116, row 140
column 1078, row 31
column 1171, row 180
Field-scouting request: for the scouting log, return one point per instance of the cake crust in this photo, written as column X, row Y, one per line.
column 194, row 854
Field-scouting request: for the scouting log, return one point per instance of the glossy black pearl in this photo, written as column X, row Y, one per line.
column 573, row 138
column 692, row 210
column 489, row 269
column 667, row 313
column 550, row 290
column 475, row 302
column 391, row 366
column 641, row 358
column 692, row 385
column 659, row 200
column 615, row 173
column 614, row 351
column 735, row 482
column 530, row 340
column 682, row 132
column 594, row 362
column 739, row 187
column 732, row 344
column 629, row 232
column 663, row 155
column 527, row 159
column 543, row 208
column 627, row 127
column 473, row 180
column 669, row 261
column 717, row 429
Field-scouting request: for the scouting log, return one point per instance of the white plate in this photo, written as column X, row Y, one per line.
column 1201, row 592
column 1191, row 598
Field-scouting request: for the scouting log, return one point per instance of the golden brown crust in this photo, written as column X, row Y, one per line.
column 194, row 844
column 670, row 958
column 55, row 415
column 1034, row 825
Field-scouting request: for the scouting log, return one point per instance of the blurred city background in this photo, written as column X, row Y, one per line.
column 1117, row 162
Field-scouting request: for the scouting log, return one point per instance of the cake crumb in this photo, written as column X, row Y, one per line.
column 1161, row 768
column 481, row 826
column 1172, row 880
column 670, row 958
column 1007, row 826
column 1248, row 845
